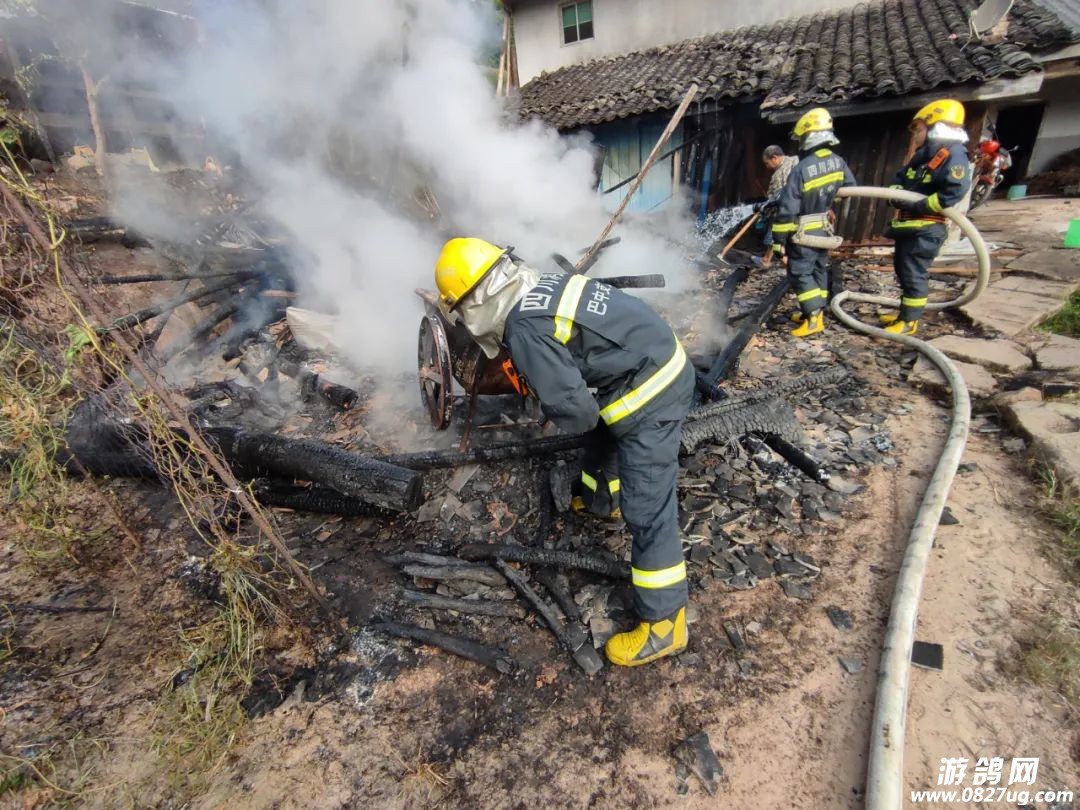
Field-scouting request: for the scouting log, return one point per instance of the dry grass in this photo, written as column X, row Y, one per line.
column 34, row 402
column 1061, row 507
column 200, row 717
column 1052, row 658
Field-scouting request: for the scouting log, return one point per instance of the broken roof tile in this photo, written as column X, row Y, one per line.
column 880, row 48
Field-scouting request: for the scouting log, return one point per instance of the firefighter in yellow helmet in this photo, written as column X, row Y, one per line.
column 567, row 334
column 940, row 170
column 803, row 225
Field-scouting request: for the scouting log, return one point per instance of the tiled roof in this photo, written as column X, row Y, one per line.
column 881, row 48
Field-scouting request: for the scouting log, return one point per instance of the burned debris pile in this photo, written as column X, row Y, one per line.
column 298, row 427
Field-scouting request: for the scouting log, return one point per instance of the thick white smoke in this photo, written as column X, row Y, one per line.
column 284, row 85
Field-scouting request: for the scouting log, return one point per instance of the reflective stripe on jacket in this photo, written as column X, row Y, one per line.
column 942, row 172
column 571, row 333
column 810, row 189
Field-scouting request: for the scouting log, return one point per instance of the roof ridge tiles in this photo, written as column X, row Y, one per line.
column 874, row 48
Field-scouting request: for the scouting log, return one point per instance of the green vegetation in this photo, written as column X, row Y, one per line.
column 1065, row 321
column 1061, row 506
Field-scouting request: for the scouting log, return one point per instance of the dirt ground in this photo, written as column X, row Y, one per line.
column 368, row 719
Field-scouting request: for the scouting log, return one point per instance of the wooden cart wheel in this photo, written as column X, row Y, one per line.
column 433, row 361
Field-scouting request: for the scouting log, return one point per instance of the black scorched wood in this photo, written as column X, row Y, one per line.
column 797, row 457
column 571, row 635
column 545, row 556
column 338, row 395
column 143, row 315
column 651, row 281
column 351, row 474
column 726, row 360
column 798, row 385
column 437, row 459
column 475, row 607
column 317, row 499
column 467, row 648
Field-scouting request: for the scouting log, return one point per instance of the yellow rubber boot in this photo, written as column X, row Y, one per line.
column 903, row 327
column 811, row 326
column 797, row 316
column 648, row 641
column 888, row 317
column 577, row 503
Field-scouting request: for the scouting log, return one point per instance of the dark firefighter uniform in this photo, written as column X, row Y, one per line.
column 570, row 334
column 941, row 172
column 804, row 207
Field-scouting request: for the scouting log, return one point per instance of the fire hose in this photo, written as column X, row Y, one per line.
column 885, row 773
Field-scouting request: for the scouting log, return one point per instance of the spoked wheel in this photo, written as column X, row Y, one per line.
column 433, row 361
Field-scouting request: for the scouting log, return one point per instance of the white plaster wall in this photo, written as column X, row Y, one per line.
column 622, row 26
column 1060, row 128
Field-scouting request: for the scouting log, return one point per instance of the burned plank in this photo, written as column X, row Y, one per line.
column 474, row 607
column 797, row 457
column 726, row 360
column 491, row 657
column 549, row 578
column 649, row 281
column 572, row 636
column 321, row 500
column 545, row 556
column 149, row 313
column 454, row 573
column 362, row 477
column 338, row 395
column 436, row 459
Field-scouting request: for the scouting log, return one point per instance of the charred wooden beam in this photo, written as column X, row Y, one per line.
column 727, row 292
column 571, row 636
column 545, row 556
column 797, row 457
column 491, row 657
column 358, row 476
column 321, row 500
column 726, row 360
column 147, row 277
column 338, row 395
column 550, row 579
column 564, row 263
column 650, row 281
column 798, row 385
column 456, row 573
column 143, row 315
column 475, row 607
column 438, row 459
column 422, row 558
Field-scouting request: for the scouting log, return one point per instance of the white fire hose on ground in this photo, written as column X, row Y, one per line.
column 885, row 773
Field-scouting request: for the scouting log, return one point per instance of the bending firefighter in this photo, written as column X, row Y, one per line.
column 803, row 221
column 939, row 169
column 567, row 334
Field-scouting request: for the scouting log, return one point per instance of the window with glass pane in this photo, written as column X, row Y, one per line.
column 577, row 22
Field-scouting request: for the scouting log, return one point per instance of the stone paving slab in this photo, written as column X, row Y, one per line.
column 996, row 355
column 1053, row 429
column 980, row 382
column 1059, row 353
column 1060, row 264
column 1016, row 303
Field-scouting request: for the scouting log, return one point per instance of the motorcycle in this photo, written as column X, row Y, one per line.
column 992, row 160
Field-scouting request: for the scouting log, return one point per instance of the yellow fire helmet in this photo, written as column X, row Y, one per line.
column 948, row 110
column 462, row 265
column 815, row 120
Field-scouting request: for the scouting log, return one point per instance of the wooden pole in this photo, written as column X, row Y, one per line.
column 739, row 235
column 502, row 58
column 665, row 136
column 100, row 145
